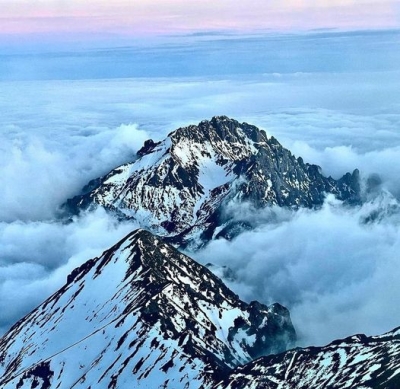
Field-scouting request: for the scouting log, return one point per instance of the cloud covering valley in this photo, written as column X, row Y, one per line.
column 337, row 275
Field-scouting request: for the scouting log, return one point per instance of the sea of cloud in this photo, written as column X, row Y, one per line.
column 337, row 275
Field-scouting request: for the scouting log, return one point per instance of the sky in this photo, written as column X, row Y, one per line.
column 52, row 20
column 71, row 111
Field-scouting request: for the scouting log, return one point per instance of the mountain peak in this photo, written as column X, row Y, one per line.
column 179, row 187
column 220, row 129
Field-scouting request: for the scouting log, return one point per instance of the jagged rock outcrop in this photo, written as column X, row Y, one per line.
column 141, row 315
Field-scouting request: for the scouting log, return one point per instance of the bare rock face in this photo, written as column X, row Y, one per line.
column 178, row 187
column 142, row 315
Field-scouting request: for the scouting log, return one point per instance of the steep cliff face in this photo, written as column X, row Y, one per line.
column 142, row 315
column 355, row 362
column 179, row 187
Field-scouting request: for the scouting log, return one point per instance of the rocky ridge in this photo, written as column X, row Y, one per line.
column 357, row 362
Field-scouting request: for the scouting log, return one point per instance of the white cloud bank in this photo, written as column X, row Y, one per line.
column 42, row 170
column 336, row 275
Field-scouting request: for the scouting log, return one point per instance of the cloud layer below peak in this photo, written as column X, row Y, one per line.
column 339, row 108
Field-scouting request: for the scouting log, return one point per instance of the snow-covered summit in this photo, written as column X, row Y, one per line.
column 179, row 187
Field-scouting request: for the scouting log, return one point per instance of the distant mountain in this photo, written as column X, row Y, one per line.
column 142, row 315
column 379, row 205
column 179, row 187
column 357, row 362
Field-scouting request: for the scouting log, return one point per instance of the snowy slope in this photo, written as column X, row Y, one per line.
column 356, row 362
column 178, row 187
column 140, row 316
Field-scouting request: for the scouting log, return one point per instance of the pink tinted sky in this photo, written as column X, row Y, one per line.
column 155, row 17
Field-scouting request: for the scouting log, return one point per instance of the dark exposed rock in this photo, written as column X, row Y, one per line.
column 147, row 148
column 38, row 377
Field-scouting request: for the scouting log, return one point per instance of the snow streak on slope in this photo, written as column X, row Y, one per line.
column 141, row 315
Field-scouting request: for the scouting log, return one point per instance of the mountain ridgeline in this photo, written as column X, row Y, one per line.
column 356, row 362
column 143, row 315
column 180, row 187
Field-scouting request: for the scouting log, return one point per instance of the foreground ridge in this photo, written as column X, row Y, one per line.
column 180, row 186
column 142, row 315
column 355, row 362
